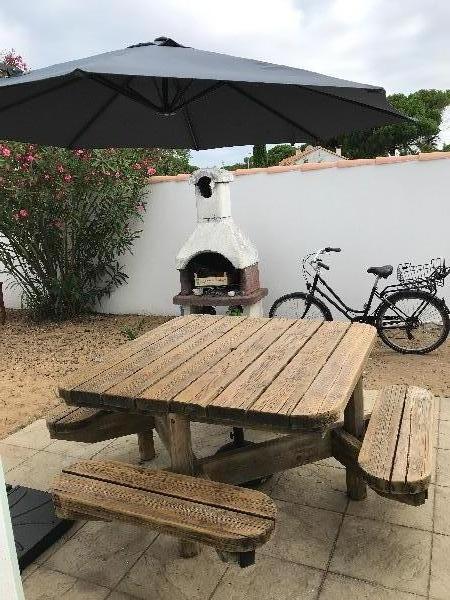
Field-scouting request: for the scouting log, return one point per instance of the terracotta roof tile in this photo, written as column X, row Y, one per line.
column 340, row 164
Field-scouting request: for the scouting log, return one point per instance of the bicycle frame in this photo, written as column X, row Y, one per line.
column 353, row 314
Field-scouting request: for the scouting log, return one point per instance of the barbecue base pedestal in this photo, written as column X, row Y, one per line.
column 251, row 303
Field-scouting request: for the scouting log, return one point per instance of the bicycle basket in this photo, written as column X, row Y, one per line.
column 433, row 272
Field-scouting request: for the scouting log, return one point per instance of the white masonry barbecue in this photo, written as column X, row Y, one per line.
column 218, row 264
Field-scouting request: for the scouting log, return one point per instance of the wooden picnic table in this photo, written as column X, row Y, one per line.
column 296, row 377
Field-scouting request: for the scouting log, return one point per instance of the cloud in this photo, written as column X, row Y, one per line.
column 402, row 46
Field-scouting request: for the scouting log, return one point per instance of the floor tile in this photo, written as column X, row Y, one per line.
column 390, row 555
column 440, row 572
column 101, row 552
column 269, row 579
column 39, row 470
column 161, row 574
column 125, row 449
column 338, row 587
column 34, row 436
column 313, row 485
column 12, row 456
column 445, row 409
column 330, row 462
column 444, row 435
column 443, row 467
column 303, row 534
column 384, row 509
column 45, row 584
column 77, row 449
column 442, row 510
column 121, row 596
column 42, row 558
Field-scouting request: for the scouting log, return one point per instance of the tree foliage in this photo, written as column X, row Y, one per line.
column 425, row 106
column 278, row 153
column 259, row 158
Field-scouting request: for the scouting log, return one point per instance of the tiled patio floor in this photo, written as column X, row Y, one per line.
column 325, row 546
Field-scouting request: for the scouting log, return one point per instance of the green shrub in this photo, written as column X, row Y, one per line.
column 65, row 219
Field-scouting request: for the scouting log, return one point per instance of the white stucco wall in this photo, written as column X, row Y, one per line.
column 378, row 214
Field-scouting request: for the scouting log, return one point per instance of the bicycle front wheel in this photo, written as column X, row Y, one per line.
column 300, row 306
column 413, row 322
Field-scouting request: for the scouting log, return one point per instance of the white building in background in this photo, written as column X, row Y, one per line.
column 313, row 154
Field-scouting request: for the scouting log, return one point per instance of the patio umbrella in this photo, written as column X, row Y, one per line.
column 166, row 95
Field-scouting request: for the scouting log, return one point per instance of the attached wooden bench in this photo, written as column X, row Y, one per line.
column 231, row 519
column 395, row 456
column 94, row 425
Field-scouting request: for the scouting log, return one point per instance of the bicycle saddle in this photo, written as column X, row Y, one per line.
column 383, row 272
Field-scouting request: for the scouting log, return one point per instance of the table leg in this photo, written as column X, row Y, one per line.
column 183, row 461
column 354, row 424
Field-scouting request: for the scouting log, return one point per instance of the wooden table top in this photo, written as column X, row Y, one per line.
column 286, row 373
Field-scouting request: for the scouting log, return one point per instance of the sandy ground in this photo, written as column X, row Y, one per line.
column 34, row 357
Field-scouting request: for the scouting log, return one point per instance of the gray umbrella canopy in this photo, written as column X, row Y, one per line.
column 165, row 95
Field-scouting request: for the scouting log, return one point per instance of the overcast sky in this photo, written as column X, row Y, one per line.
column 402, row 45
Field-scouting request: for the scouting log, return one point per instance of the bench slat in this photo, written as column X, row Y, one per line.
column 396, row 453
column 203, row 491
column 94, row 425
column 413, row 455
column 224, row 526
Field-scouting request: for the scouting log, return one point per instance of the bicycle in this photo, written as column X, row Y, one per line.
column 410, row 317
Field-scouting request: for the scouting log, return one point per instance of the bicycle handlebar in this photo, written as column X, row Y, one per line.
column 328, row 249
column 319, row 263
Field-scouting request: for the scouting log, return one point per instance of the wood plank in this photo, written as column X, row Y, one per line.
column 218, row 527
column 354, row 424
column 204, row 491
column 285, row 392
column 380, row 441
column 412, row 465
column 87, row 373
column 94, row 425
column 272, row 456
column 239, row 395
column 329, row 393
column 91, row 391
column 126, row 391
column 195, row 397
column 176, row 381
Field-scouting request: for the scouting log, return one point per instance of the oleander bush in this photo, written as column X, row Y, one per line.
column 66, row 218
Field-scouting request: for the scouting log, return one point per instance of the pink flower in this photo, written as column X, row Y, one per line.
column 140, row 207
column 137, row 166
column 60, row 169
column 68, row 177
column 15, row 216
column 30, row 158
column 151, row 171
column 117, row 174
column 47, row 176
column 5, row 151
column 23, row 213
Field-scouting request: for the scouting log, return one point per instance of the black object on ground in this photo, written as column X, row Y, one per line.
column 35, row 524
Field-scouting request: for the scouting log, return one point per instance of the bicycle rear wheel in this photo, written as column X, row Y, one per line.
column 300, row 306
column 413, row 322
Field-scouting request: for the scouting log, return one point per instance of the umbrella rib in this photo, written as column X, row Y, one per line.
column 127, row 92
column 38, row 94
column 274, row 111
column 190, row 127
column 208, row 90
column 88, row 124
column 351, row 101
